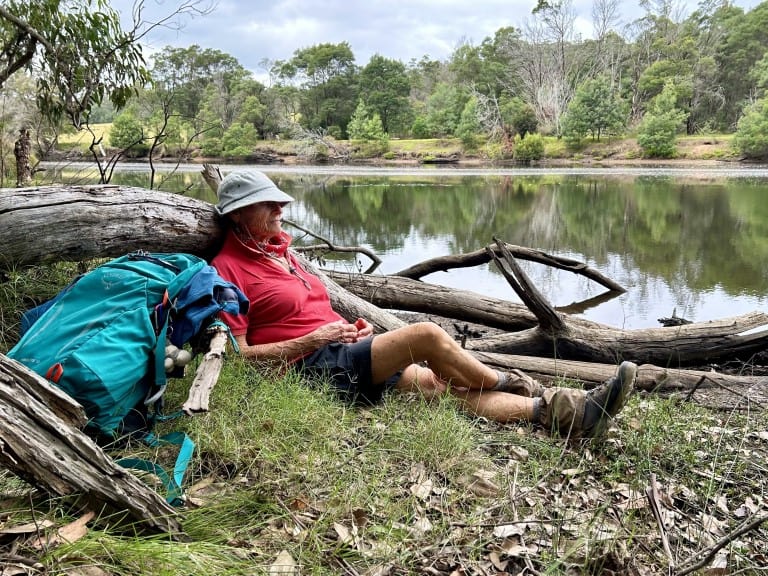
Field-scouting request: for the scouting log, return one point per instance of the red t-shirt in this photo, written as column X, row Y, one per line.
column 283, row 305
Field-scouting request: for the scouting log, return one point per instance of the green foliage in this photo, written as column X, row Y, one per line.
column 239, row 140
column 660, row 125
column 443, row 110
column 528, row 148
column 385, row 88
column 328, row 78
column 519, row 115
column 595, row 110
column 469, row 128
column 420, row 128
column 751, row 138
column 366, row 126
column 82, row 56
column 128, row 134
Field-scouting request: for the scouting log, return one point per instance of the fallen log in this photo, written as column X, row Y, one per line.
column 687, row 345
column 650, row 378
column 81, row 222
column 406, row 294
column 71, row 223
column 40, row 441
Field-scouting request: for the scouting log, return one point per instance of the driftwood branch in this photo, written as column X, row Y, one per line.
column 207, row 373
column 39, row 443
column 549, row 320
column 480, row 257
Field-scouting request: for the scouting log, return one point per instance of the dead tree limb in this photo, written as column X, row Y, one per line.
column 330, row 246
column 549, row 319
column 43, row 447
column 649, row 377
column 480, row 257
column 83, row 222
column 207, row 373
column 686, row 345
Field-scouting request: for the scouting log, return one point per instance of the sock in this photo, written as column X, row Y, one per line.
column 536, row 418
column 502, row 381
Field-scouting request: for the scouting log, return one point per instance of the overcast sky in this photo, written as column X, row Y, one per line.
column 254, row 30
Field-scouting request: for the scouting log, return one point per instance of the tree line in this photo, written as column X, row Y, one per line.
column 70, row 63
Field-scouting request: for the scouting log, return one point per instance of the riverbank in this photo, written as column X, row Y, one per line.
column 715, row 150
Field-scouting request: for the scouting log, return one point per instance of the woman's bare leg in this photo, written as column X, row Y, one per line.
column 498, row 406
column 426, row 341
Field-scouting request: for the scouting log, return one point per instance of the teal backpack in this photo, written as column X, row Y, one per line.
column 102, row 339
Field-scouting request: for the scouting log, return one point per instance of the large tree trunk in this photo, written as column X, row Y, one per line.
column 21, row 151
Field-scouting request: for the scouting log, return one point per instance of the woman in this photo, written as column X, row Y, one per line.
column 291, row 320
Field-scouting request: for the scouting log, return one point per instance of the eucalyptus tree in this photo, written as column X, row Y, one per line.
column 187, row 73
column 328, row 79
column 385, row 88
column 77, row 51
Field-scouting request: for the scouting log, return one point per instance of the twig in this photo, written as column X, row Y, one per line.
column 652, row 494
column 331, row 246
column 709, row 553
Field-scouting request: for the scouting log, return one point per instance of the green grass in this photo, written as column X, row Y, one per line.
column 410, row 487
column 82, row 140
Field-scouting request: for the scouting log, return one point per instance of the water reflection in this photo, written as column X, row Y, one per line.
column 685, row 241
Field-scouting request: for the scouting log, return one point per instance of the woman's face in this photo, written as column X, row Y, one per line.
column 262, row 220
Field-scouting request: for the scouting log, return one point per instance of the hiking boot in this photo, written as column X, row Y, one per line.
column 517, row 382
column 575, row 413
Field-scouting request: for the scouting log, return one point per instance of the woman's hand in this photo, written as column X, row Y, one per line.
column 364, row 328
column 340, row 331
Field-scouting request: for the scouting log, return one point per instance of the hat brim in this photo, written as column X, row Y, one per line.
column 269, row 195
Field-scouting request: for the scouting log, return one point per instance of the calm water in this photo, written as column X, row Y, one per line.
column 690, row 241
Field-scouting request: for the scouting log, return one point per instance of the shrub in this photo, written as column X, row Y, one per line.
column 658, row 129
column 239, row 140
column 529, row 148
column 128, row 134
column 751, row 138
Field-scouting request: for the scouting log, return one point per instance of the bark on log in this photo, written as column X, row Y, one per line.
column 401, row 293
column 686, row 345
column 83, row 222
column 44, row 448
column 650, row 378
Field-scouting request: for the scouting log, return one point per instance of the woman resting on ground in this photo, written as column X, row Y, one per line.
column 291, row 321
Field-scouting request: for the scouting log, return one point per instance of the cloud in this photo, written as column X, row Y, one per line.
column 256, row 30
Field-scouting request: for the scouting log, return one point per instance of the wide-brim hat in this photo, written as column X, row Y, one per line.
column 247, row 187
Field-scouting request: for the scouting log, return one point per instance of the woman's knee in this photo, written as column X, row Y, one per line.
column 433, row 337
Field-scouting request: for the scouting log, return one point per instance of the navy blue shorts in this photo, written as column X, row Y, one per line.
column 348, row 367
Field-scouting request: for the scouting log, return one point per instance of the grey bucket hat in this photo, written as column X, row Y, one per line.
column 247, row 187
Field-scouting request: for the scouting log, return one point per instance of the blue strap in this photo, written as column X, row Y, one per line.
column 173, row 483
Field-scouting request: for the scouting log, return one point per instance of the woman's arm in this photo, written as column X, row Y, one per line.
column 340, row 331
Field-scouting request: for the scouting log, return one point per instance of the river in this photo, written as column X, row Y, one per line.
column 686, row 240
